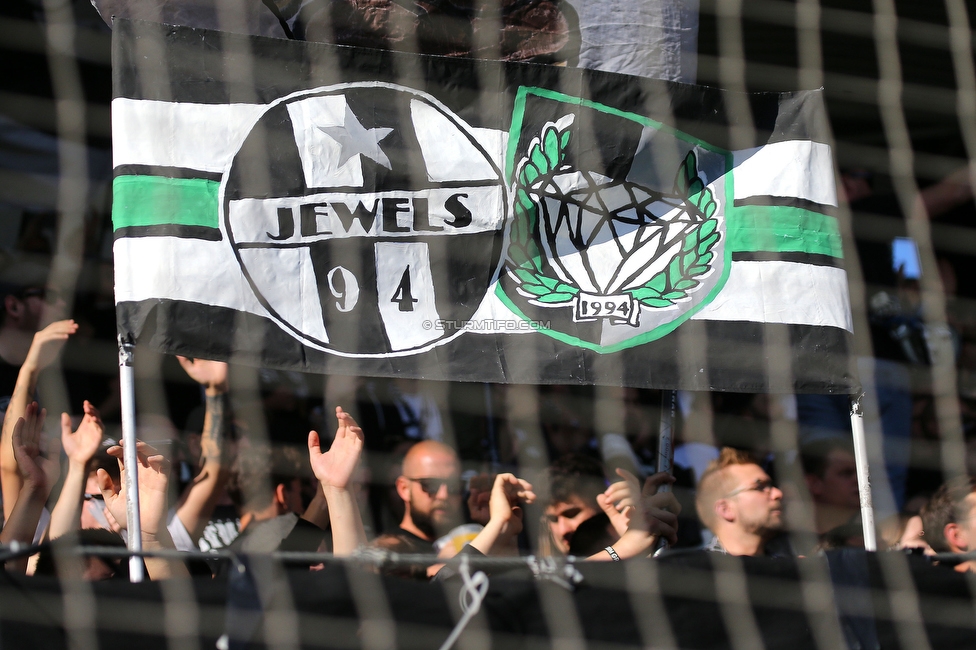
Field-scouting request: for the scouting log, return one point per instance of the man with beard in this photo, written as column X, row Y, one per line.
column 738, row 502
column 430, row 488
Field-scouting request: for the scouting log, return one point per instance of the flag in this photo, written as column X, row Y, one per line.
column 344, row 210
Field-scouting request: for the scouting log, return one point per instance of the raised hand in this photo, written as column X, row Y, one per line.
column 507, row 495
column 659, row 511
column 479, row 496
column 212, row 375
column 27, row 444
column 48, row 342
column 115, row 495
column 81, row 446
column 619, row 500
column 335, row 468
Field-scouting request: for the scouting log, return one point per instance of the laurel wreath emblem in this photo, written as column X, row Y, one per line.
column 545, row 158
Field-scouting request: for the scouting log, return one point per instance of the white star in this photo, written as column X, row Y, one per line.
column 354, row 140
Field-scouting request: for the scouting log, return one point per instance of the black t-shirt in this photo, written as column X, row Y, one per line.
column 8, row 379
column 420, row 544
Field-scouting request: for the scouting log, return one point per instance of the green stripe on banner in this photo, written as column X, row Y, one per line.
column 782, row 229
column 156, row 201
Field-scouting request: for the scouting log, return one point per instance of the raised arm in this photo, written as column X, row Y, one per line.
column 505, row 523
column 334, row 469
column 43, row 351
column 200, row 498
column 26, row 445
column 80, row 447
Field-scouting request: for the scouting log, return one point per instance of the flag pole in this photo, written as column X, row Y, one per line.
column 863, row 473
column 127, row 387
column 665, row 448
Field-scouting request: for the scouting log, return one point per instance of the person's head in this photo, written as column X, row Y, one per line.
column 737, row 501
column 831, row 473
column 949, row 518
column 263, row 476
column 574, row 482
column 565, row 424
column 430, row 487
column 29, row 303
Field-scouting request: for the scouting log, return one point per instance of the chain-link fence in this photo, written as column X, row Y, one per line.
column 511, row 243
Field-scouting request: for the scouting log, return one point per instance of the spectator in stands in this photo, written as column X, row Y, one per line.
column 831, row 478
column 648, row 516
column 153, row 481
column 584, row 514
column 29, row 306
column 43, row 349
column 267, row 486
column 27, row 445
column 335, row 470
column 738, row 502
column 80, row 447
column 430, row 488
column 949, row 519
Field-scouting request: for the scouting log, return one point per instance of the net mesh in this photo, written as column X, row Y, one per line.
column 899, row 86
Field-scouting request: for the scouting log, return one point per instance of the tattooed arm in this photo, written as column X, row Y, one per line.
column 201, row 496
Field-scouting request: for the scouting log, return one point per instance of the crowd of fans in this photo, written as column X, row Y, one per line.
column 419, row 478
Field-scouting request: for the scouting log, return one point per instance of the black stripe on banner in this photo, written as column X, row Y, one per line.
column 728, row 356
column 799, row 258
column 167, row 172
column 787, row 201
column 170, row 230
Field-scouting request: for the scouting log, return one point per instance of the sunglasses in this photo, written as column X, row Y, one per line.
column 46, row 294
column 759, row 486
column 432, row 486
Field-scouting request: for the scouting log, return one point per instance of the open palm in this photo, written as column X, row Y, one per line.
column 27, row 443
column 152, row 482
column 336, row 467
column 81, row 445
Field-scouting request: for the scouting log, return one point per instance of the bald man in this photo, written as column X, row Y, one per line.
column 430, row 488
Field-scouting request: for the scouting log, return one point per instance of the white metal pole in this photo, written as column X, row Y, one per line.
column 665, row 447
column 130, row 457
column 863, row 474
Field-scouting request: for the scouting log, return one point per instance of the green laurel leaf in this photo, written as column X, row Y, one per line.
column 535, row 289
column 550, row 283
column 551, row 146
column 556, row 298
column 658, row 283
column 657, row 302
column 681, row 274
column 544, row 158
